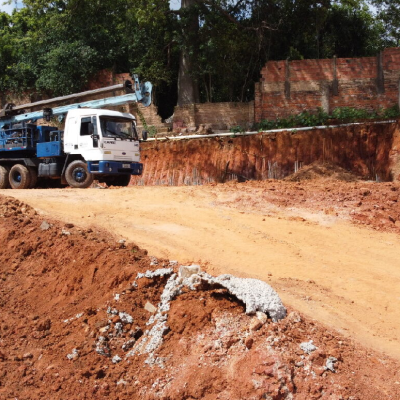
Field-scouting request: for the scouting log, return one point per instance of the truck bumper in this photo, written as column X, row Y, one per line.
column 114, row 168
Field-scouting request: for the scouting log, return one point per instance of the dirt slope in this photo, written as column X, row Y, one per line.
column 301, row 237
column 73, row 309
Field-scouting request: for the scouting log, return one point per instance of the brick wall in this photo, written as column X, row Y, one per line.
column 290, row 87
column 218, row 116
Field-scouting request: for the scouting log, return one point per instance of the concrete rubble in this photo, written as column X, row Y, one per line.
column 308, row 347
column 259, row 298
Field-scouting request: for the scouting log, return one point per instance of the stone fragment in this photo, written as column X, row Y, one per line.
column 330, row 364
column 263, row 318
column 27, row 356
column 118, row 328
column 104, row 329
column 185, row 271
column 249, row 342
column 74, row 355
column 255, row 324
column 116, row 359
column 129, row 344
column 150, row 308
column 45, row 226
column 308, row 347
column 231, row 341
column 294, row 317
column 100, row 324
column 112, row 311
column 153, row 261
column 44, row 325
column 125, row 318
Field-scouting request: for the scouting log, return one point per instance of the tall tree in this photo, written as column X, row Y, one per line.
column 188, row 89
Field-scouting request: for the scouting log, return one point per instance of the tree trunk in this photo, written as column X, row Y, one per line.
column 188, row 89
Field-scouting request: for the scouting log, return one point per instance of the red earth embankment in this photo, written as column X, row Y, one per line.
column 70, row 316
column 369, row 150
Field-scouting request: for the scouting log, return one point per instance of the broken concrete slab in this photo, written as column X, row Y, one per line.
column 185, row 271
column 255, row 294
column 150, row 308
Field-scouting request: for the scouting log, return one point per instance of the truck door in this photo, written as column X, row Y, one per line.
column 88, row 137
column 94, row 133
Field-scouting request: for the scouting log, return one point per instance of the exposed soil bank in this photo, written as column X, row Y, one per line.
column 370, row 150
column 60, row 333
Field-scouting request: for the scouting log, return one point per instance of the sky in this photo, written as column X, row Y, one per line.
column 8, row 8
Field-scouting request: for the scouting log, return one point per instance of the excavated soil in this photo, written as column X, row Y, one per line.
column 72, row 307
column 325, row 171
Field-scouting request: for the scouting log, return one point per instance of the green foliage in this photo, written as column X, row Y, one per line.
column 352, row 114
column 66, row 67
column 392, row 112
column 320, row 118
column 56, row 46
column 305, row 118
column 237, row 129
column 389, row 16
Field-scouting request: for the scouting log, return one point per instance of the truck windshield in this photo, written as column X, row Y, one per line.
column 116, row 127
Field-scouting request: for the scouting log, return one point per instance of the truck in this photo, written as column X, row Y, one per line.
column 96, row 143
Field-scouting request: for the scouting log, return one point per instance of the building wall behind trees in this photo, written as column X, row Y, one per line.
column 290, row 87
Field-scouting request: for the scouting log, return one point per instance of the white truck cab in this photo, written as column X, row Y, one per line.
column 107, row 141
column 101, row 135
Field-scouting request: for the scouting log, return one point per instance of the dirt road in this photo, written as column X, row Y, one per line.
column 345, row 276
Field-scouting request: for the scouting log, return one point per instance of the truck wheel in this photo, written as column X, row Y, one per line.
column 77, row 175
column 19, row 177
column 4, row 179
column 33, row 177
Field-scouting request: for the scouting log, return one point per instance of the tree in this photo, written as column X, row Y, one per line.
column 188, row 89
column 213, row 50
column 388, row 12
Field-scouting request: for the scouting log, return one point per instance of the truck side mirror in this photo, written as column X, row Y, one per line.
column 90, row 129
column 144, row 135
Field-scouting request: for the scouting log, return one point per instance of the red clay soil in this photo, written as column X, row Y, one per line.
column 370, row 150
column 58, row 284
column 328, row 189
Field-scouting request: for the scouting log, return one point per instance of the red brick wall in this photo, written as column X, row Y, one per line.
column 218, row 116
column 310, row 84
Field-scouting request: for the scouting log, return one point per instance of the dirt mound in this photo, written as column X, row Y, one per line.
column 77, row 307
column 319, row 170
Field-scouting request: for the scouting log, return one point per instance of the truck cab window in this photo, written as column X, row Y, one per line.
column 117, row 127
column 85, row 122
